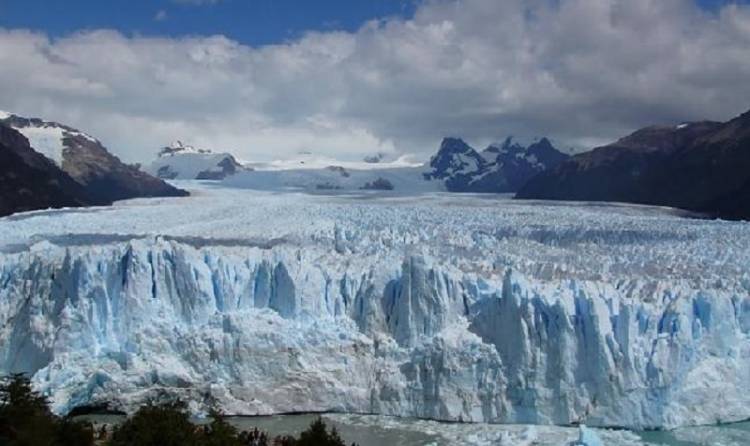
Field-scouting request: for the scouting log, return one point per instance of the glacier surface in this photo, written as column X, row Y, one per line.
column 440, row 306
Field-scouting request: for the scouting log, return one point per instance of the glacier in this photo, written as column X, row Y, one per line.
column 439, row 306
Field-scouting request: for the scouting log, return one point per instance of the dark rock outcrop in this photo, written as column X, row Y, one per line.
column 344, row 173
column 226, row 167
column 378, row 184
column 374, row 159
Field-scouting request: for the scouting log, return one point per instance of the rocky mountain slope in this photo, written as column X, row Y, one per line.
column 102, row 175
column 700, row 166
column 499, row 168
column 184, row 162
column 30, row 181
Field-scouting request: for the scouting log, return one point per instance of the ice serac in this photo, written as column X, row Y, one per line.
column 293, row 327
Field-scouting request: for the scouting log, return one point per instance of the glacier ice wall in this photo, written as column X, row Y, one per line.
column 285, row 327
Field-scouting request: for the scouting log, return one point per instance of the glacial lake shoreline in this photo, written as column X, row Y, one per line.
column 374, row 430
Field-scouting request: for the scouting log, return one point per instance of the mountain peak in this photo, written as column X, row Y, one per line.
column 85, row 171
column 545, row 142
column 51, row 139
column 182, row 161
column 454, row 157
column 178, row 146
column 454, row 145
column 510, row 145
column 501, row 167
column 545, row 153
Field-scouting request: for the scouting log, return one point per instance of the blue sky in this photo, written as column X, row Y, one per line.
column 253, row 22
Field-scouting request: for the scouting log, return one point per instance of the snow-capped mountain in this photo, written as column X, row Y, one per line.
column 457, row 167
column 30, row 181
column 455, row 159
column 185, row 162
column 178, row 147
column 540, row 153
column 103, row 176
column 499, row 168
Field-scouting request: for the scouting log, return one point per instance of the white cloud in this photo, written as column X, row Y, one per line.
column 160, row 15
column 581, row 71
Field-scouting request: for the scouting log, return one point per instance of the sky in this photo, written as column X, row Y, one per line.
column 268, row 79
column 251, row 22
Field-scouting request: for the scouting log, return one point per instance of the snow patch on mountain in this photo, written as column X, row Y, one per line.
column 47, row 140
column 178, row 147
column 102, row 177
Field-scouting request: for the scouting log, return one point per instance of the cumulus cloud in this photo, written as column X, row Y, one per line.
column 581, row 71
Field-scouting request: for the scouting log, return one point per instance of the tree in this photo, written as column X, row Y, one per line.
column 157, row 425
column 71, row 432
column 219, row 432
column 26, row 420
column 317, row 435
column 254, row 437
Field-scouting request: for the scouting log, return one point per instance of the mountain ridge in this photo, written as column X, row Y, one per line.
column 500, row 168
column 700, row 166
column 75, row 167
column 30, row 181
column 182, row 161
